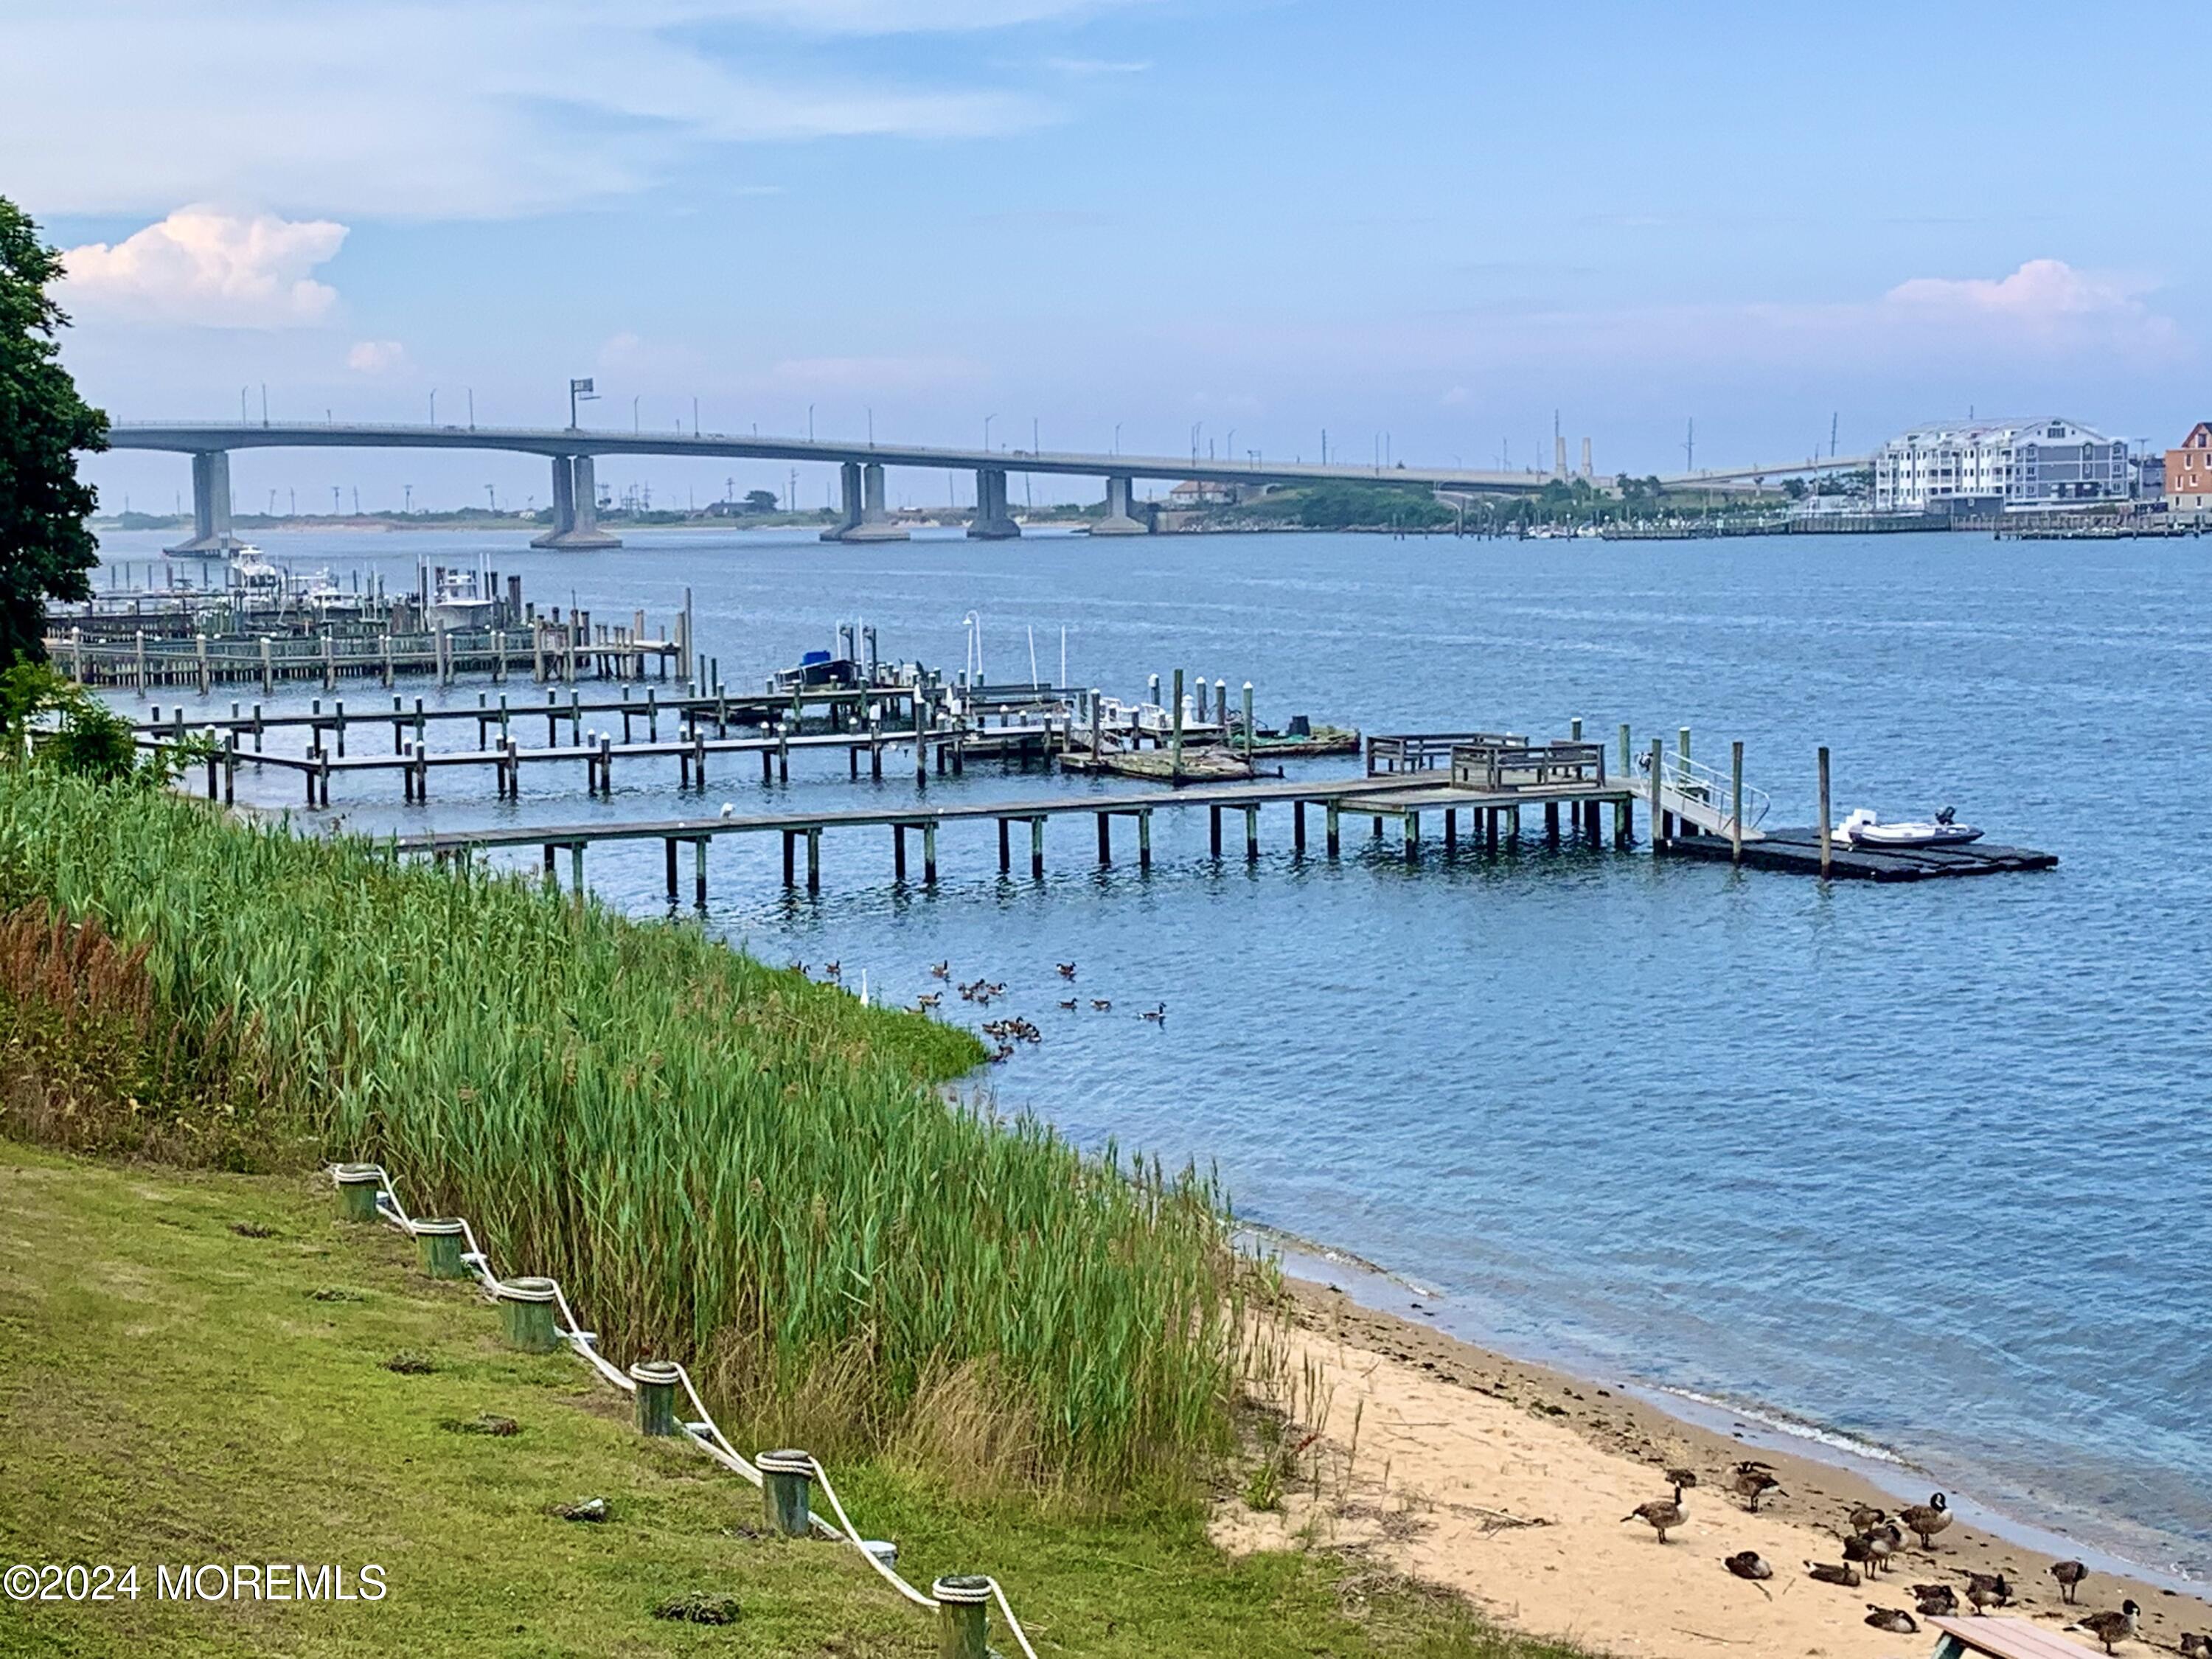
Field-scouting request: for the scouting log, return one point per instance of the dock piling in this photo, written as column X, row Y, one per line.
column 1828, row 831
column 929, row 853
column 1036, row 850
column 1735, row 802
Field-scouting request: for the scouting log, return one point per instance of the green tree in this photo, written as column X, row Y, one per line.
column 44, row 549
column 759, row 501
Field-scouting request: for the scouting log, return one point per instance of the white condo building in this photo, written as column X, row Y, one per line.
column 1999, row 464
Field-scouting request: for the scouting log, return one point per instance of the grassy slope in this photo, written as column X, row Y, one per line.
column 172, row 1392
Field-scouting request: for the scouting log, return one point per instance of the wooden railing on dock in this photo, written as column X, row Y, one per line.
column 1519, row 766
column 1425, row 752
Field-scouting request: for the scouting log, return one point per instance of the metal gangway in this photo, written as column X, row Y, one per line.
column 1703, row 796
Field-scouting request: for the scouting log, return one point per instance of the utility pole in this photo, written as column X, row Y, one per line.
column 407, row 496
column 1833, row 420
column 1690, row 446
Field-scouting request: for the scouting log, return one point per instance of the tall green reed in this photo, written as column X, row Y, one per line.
column 723, row 1161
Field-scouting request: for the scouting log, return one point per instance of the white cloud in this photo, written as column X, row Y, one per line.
column 416, row 109
column 2042, row 294
column 200, row 265
column 376, row 357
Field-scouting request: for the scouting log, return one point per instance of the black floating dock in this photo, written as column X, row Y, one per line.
column 1798, row 851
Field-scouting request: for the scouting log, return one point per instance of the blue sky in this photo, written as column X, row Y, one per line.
column 1440, row 221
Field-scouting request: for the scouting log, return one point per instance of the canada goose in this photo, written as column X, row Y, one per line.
column 1864, row 1517
column 1102, row 1005
column 1873, row 1548
column 2111, row 1627
column 1896, row 1621
column 834, row 969
column 1934, row 1601
column 1829, row 1572
column 1927, row 1519
column 941, row 970
column 1753, row 1480
column 1662, row 1515
column 1747, row 1564
column 1987, row 1589
column 1066, row 969
column 2195, row 1647
column 1682, row 1478
column 1155, row 1015
column 2069, row 1575
column 1070, row 1003
column 798, row 967
column 929, row 998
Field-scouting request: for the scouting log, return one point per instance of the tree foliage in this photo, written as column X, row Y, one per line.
column 48, row 720
column 44, row 549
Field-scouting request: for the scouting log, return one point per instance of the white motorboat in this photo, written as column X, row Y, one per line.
column 1864, row 828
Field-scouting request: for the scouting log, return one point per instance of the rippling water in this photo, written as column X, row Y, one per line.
column 1923, row 1166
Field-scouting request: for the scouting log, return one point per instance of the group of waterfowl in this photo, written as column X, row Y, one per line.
column 1869, row 1546
column 1005, row 1033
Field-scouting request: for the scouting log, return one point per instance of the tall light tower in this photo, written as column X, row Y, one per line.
column 580, row 391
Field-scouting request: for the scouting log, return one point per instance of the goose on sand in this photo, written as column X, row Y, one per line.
column 1747, row 1564
column 1927, row 1519
column 1987, row 1589
column 2111, row 1627
column 1896, row 1621
column 2193, row 1646
column 1934, row 1601
column 2069, row 1575
column 1829, row 1572
column 1662, row 1515
column 1753, row 1480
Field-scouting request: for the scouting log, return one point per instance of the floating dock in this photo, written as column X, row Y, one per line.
column 1798, row 852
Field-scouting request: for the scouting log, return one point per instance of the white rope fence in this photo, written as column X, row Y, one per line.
column 946, row 1595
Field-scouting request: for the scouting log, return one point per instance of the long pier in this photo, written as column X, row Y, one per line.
column 1571, row 810
column 863, row 720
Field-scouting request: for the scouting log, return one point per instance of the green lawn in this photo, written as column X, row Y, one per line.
column 173, row 1391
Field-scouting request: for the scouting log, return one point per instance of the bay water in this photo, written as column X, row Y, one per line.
column 1920, row 1170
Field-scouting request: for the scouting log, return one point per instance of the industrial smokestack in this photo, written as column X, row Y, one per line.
column 1559, row 456
column 1586, row 458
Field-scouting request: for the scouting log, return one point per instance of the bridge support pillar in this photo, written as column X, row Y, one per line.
column 991, row 523
column 874, row 523
column 211, row 536
column 576, row 507
column 1119, row 520
column 850, row 507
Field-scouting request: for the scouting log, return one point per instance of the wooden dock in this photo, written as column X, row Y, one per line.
column 863, row 720
column 1569, row 811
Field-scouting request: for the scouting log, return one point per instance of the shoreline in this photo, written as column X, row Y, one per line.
column 1437, row 1438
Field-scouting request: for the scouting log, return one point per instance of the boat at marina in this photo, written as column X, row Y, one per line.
column 1864, row 828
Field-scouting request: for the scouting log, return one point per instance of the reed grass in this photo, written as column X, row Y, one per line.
column 723, row 1162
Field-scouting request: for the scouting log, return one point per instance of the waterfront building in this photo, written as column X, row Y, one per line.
column 1998, row 465
column 2189, row 473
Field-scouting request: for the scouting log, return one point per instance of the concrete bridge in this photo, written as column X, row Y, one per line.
column 572, row 453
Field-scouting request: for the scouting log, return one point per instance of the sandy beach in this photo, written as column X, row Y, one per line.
column 1507, row 1483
